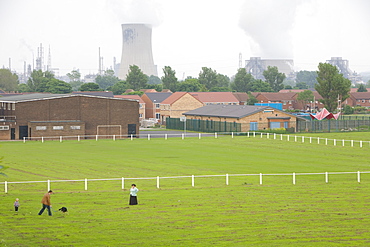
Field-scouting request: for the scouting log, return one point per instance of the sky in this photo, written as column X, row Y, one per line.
column 187, row 34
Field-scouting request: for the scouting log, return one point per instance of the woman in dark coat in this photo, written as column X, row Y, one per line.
column 133, row 194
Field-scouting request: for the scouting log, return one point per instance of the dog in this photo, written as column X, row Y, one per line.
column 63, row 209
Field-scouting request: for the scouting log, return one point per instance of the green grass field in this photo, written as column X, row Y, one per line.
column 243, row 213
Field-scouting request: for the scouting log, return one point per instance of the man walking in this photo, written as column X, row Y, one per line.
column 46, row 203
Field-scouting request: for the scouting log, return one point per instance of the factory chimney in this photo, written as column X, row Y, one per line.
column 137, row 49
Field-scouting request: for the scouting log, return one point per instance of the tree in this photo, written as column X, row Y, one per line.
column 154, row 80
column 91, row 86
column 208, row 77
column 308, row 77
column 190, row 85
column 75, row 79
column 119, row 88
column 38, row 80
column 222, row 81
column 242, row 81
column 75, row 85
column 169, row 79
column 22, row 88
column 106, row 80
column 251, row 99
column 75, row 75
column 260, row 86
column 274, row 78
column 348, row 110
column 136, row 78
column 332, row 86
column 301, row 85
column 362, row 88
column 8, row 80
column 140, row 93
column 305, row 97
column 58, row 86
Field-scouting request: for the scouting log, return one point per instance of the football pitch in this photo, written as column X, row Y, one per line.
column 243, row 213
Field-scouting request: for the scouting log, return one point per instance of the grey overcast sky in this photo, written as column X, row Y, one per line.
column 187, row 34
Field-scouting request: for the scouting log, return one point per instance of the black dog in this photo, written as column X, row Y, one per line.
column 63, row 209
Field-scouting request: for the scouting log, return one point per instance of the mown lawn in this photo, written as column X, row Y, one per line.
column 243, row 213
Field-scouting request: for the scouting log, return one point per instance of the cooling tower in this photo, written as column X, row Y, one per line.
column 137, row 49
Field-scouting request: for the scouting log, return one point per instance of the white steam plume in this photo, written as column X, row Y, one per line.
column 269, row 24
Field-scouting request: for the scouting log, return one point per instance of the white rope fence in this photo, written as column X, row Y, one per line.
column 289, row 138
column 158, row 179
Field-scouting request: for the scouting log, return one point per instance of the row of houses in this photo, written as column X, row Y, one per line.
column 161, row 105
column 102, row 113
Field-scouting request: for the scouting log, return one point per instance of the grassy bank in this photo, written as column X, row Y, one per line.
column 244, row 213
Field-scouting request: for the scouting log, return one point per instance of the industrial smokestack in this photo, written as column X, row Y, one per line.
column 137, row 49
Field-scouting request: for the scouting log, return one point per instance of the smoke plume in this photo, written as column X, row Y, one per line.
column 269, row 24
column 136, row 11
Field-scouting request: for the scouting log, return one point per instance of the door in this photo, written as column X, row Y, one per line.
column 12, row 134
column 132, row 130
column 23, row 132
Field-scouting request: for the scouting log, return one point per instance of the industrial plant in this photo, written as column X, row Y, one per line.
column 137, row 49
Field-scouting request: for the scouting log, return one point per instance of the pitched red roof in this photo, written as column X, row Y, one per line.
column 279, row 96
column 173, row 98
column 215, row 97
column 354, row 90
column 360, row 95
column 133, row 96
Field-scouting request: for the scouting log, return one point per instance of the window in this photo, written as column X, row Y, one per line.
column 140, row 115
column 13, row 106
column 157, row 105
column 40, row 127
column 140, row 106
column 157, row 115
column 76, row 127
column 58, row 127
column 274, row 125
column 4, row 127
column 8, row 106
column 363, row 101
column 253, row 126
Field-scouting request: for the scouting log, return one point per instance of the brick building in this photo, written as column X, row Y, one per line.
column 36, row 115
column 152, row 104
column 250, row 117
column 138, row 99
column 178, row 103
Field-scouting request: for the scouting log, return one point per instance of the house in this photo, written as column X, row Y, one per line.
column 287, row 99
column 314, row 105
column 138, row 99
column 36, row 115
column 178, row 103
column 216, row 98
column 358, row 99
column 242, row 98
column 250, row 117
column 152, row 104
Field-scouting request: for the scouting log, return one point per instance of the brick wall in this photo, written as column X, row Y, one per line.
column 263, row 118
column 93, row 111
column 184, row 104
